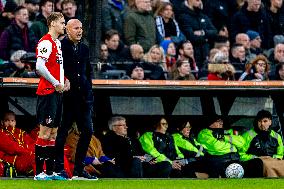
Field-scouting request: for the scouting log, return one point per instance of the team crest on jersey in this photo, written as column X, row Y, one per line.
column 43, row 50
column 48, row 120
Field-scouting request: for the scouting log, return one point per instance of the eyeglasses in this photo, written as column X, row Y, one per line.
column 261, row 64
column 164, row 123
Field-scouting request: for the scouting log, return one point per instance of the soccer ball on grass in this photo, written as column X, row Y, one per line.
column 234, row 170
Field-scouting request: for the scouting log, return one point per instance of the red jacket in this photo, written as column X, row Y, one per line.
column 14, row 142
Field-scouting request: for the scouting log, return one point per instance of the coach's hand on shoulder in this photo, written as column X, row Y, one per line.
column 67, row 85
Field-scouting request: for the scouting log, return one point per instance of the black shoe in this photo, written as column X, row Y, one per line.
column 84, row 175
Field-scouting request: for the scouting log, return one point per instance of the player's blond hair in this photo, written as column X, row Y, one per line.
column 54, row 16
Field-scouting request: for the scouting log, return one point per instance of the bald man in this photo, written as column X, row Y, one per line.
column 243, row 39
column 78, row 102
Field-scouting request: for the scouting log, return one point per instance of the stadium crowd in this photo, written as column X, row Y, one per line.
column 214, row 40
column 158, row 40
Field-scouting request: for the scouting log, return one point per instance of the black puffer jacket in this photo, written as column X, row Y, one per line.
column 245, row 20
column 263, row 144
column 189, row 21
column 164, row 143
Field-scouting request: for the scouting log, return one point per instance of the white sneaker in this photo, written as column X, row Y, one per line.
column 84, row 175
column 84, row 178
column 42, row 176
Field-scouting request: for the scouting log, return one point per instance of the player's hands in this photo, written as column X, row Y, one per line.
column 67, row 85
column 59, row 88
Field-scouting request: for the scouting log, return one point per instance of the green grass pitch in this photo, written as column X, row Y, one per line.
column 145, row 184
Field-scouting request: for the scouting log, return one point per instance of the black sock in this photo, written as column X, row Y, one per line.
column 39, row 158
column 50, row 160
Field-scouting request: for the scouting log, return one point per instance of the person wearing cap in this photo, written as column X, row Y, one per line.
column 135, row 72
column 263, row 143
column 255, row 42
column 223, row 148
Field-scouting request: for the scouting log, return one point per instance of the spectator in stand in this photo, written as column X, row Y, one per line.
column 104, row 62
column 135, row 72
column 117, row 51
column 256, row 70
column 167, row 27
column 182, row 71
column 197, row 28
column 113, row 14
column 220, row 68
column 39, row 27
column 238, row 57
column 170, row 54
column 264, row 143
column 104, row 55
column 243, row 39
column 274, row 13
column 57, row 7
column 252, row 17
column 279, row 72
column 14, row 68
column 224, row 50
column 69, row 9
column 139, row 25
column 186, row 53
column 137, row 53
column 20, row 67
column 156, row 55
column 155, row 62
column 222, row 41
column 220, row 12
column 124, row 150
column 16, row 147
column 160, row 146
column 33, row 8
column 255, row 42
column 6, row 16
column 276, row 58
column 17, row 36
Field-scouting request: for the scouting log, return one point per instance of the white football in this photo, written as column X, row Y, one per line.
column 234, row 170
